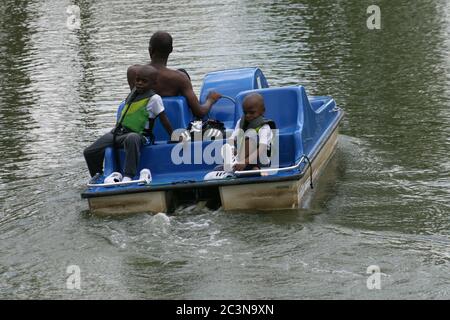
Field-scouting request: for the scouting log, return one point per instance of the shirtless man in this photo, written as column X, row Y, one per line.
column 172, row 82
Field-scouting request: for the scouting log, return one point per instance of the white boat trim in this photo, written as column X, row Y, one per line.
column 271, row 170
column 117, row 184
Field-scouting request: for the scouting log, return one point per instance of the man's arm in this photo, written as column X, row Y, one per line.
column 199, row 110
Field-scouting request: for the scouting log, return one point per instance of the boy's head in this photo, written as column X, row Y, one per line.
column 146, row 77
column 253, row 106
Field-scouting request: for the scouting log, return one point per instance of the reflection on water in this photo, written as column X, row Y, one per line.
column 16, row 98
column 383, row 200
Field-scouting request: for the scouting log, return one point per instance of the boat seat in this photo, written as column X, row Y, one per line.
column 230, row 83
column 300, row 120
column 179, row 114
column 158, row 158
column 300, row 123
column 282, row 106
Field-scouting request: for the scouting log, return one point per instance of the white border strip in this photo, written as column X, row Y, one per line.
column 117, row 184
column 271, row 170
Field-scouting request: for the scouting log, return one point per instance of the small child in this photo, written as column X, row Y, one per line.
column 253, row 156
column 142, row 107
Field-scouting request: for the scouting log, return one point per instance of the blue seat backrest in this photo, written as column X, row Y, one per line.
column 230, row 83
column 177, row 111
column 179, row 114
column 306, row 119
column 282, row 106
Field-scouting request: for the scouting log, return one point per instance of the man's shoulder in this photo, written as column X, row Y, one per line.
column 176, row 76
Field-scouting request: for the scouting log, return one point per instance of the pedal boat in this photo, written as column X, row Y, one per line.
column 307, row 137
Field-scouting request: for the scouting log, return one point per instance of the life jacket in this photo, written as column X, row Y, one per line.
column 256, row 124
column 135, row 115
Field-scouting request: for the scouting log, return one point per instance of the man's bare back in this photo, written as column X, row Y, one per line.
column 172, row 82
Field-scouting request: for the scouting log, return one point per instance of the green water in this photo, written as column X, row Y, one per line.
column 383, row 200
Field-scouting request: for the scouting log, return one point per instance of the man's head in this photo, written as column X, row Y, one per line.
column 253, row 106
column 146, row 77
column 160, row 45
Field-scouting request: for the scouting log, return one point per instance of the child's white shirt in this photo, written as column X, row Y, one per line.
column 265, row 133
column 155, row 106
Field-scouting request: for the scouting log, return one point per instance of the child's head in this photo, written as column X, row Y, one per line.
column 146, row 77
column 253, row 106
